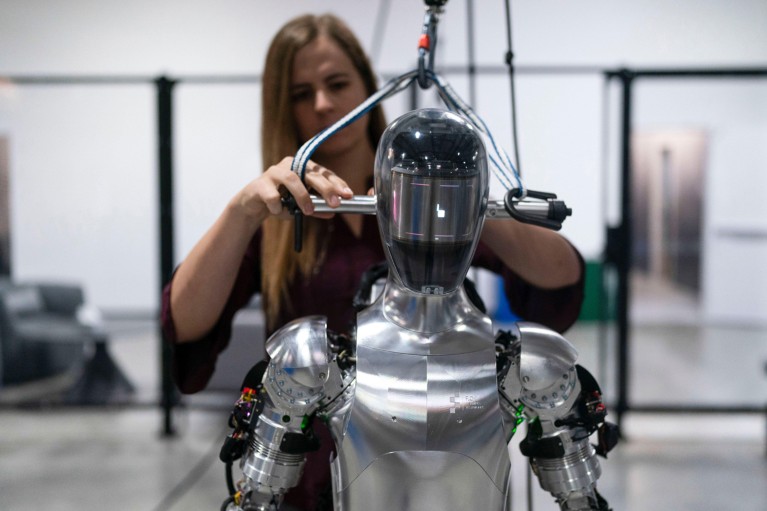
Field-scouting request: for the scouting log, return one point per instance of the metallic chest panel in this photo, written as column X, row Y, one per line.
column 425, row 409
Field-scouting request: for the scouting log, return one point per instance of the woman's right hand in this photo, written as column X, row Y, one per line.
column 262, row 197
column 203, row 282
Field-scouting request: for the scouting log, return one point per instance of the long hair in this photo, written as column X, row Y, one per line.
column 279, row 262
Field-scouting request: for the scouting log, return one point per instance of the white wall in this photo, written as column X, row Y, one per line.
column 83, row 162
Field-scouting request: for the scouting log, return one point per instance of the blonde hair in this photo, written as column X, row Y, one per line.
column 279, row 261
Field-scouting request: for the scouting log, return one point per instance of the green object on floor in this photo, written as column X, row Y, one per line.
column 592, row 308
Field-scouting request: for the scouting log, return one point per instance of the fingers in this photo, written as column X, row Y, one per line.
column 272, row 199
column 293, row 185
column 270, row 188
column 327, row 184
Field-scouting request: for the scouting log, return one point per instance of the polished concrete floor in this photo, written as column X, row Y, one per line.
column 92, row 458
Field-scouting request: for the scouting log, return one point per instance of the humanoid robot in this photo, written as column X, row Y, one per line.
column 423, row 398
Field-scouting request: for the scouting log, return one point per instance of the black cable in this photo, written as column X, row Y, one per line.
column 230, row 478
column 379, row 27
column 510, row 63
column 226, row 503
column 192, row 477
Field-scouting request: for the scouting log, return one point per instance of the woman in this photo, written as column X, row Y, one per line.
column 315, row 73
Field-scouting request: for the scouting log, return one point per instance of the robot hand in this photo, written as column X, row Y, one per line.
column 563, row 403
column 272, row 419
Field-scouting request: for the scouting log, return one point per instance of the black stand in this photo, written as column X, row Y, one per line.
column 102, row 382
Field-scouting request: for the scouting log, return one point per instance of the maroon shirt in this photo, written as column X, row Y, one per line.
column 329, row 292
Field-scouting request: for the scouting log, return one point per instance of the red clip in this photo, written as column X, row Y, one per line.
column 424, row 42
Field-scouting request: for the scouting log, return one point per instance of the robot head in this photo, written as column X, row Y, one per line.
column 431, row 184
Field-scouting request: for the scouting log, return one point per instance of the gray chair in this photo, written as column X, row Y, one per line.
column 40, row 335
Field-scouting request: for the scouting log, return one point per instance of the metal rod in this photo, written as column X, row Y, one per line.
column 165, row 162
column 76, row 80
column 366, row 205
column 707, row 409
column 733, row 72
column 126, row 80
column 513, row 101
column 603, row 297
column 413, row 96
column 624, row 249
column 497, row 208
column 472, row 67
column 478, row 69
column 363, row 204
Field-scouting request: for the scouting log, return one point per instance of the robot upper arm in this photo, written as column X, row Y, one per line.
column 272, row 419
column 298, row 366
column 541, row 373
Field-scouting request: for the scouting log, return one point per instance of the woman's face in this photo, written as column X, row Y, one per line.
column 324, row 87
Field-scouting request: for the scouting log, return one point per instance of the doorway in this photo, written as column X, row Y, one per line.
column 667, row 220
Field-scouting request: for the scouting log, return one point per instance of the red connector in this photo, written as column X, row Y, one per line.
column 424, row 43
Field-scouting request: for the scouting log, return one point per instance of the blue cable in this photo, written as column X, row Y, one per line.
column 305, row 151
column 498, row 170
column 451, row 100
column 449, row 96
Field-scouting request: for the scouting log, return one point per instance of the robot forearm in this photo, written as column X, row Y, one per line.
column 563, row 403
column 269, row 468
column 272, row 418
column 565, row 463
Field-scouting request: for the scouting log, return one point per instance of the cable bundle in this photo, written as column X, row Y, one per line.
column 501, row 164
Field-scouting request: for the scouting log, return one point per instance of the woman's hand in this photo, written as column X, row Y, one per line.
column 263, row 196
column 203, row 282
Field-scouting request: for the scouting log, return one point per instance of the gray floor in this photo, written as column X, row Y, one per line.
column 115, row 458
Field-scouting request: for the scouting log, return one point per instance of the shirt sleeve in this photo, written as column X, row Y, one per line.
column 556, row 308
column 193, row 362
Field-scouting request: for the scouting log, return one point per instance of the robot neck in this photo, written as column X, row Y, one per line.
column 425, row 313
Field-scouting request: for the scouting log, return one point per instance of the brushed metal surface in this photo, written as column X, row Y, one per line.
column 425, row 411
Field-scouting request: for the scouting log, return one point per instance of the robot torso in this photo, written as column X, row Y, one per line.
column 424, row 429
